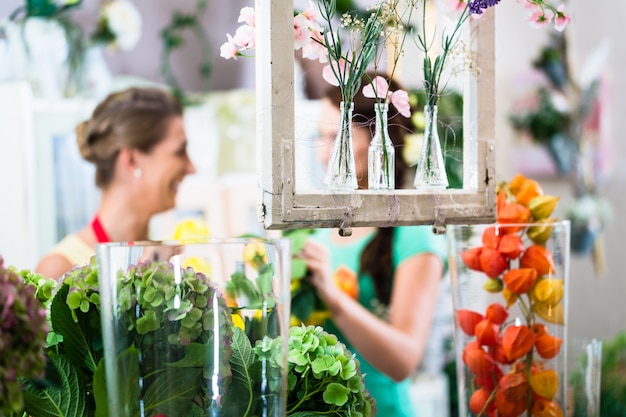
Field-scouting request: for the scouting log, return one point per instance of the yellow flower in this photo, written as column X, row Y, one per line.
column 198, row 265
column 191, row 229
column 238, row 321
column 254, row 254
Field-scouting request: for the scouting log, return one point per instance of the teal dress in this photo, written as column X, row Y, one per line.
column 392, row 398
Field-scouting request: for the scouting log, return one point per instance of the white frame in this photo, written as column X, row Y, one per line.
column 282, row 207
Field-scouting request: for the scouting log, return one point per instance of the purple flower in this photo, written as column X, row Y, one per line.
column 479, row 6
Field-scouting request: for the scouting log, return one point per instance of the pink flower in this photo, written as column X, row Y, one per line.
column 315, row 48
column 454, row 5
column 400, row 99
column 229, row 50
column 301, row 32
column 539, row 17
column 561, row 20
column 245, row 37
column 247, row 15
column 340, row 69
column 379, row 88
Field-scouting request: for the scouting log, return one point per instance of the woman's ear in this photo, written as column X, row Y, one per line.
column 127, row 162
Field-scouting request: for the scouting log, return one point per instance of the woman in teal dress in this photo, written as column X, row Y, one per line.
column 398, row 269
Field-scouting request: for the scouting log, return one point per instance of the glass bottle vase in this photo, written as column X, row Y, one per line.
column 341, row 169
column 431, row 169
column 381, row 158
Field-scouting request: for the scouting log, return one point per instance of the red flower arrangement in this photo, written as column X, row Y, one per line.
column 509, row 356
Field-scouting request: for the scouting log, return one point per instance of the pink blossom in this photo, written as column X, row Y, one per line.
column 229, row 50
column 539, row 17
column 312, row 13
column 301, row 32
column 315, row 48
column 341, row 69
column 454, row 5
column 247, row 15
column 378, row 88
column 561, row 20
column 400, row 99
column 245, row 37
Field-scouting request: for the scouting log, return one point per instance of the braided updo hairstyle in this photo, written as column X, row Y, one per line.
column 135, row 118
column 376, row 258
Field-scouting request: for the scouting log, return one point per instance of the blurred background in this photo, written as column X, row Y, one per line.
column 543, row 85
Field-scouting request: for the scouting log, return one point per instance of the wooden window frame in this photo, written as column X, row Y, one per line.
column 281, row 207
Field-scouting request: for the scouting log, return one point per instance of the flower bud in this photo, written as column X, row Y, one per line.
column 541, row 207
column 544, row 383
column 493, row 285
column 517, row 341
column 541, row 231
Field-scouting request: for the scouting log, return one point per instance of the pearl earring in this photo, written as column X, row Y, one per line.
column 137, row 173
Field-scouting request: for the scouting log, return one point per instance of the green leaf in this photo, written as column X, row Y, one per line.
column 298, row 238
column 245, row 370
column 67, row 399
column 198, row 355
column 172, row 392
column 100, row 391
column 264, row 282
column 298, row 268
column 76, row 336
column 336, row 394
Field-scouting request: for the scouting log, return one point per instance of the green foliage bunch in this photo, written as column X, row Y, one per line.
column 324, row 377
column 23, row 331
column 613, row 374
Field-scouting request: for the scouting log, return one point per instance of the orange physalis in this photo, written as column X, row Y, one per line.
column 479, row 361
column 517, row 341
column 468, row 320
column 478, row 402
column 492, row 262
column 538, row 258
column 471, row 258
column 487, row 333
column 546, row 408
column 521, row 280
column 544, row 383
column 547, row 346
column 496, row 313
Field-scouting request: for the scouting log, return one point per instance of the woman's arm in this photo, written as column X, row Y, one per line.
column 395, row 347
column 53, row 266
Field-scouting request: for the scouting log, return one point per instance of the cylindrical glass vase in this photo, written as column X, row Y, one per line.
column 195, row 329
column 510, row 306
column 341, row 170
column 381, row 156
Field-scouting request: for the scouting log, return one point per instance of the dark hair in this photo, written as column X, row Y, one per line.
column 376, row 259
column 135, row 118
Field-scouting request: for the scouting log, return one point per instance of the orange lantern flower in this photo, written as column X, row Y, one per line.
column 471, row 258
column 512, row 213
column 489, row 382
column 487, row 332
column 480, row 402
column 528, row 190
column 517, row 341
column 499, row 355
column 496, row 313
column 479, row 362
column 491, row 239
column 521, row 280
column 509, row 296
column 547, row 346
column 468, row 320
column 492, row 262
column 511, row 246
column 546, row 408
column 538, row 258
column 544, row 383
column 513, row 386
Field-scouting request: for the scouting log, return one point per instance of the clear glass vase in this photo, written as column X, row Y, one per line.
column 195, row 329
column 381, row 157
column 431, row 169
column 510, row 296
column 341, row 170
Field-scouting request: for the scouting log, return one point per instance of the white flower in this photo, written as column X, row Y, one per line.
column 124, row 22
